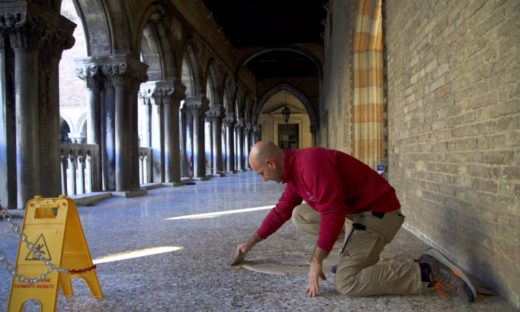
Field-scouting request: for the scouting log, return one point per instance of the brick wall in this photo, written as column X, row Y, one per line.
column 336, row 93
column 453, row 116
column 454, row 129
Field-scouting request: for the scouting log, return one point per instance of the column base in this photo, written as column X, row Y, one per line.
column 151, row 186
column 173, row 184
column 90, row 199
column 133, row 193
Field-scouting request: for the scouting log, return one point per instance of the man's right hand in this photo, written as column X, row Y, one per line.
column 243, row 249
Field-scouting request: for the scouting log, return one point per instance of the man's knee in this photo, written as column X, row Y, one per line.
column 346, row 285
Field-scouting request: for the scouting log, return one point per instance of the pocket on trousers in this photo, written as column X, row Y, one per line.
column 360, row 243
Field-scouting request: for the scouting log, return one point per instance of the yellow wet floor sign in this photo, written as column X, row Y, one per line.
column 53, row 226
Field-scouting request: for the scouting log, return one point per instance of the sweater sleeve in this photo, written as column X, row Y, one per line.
column 325, row 183
column 279, row 214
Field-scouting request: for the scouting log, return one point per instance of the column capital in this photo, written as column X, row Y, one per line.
column 215, row 112
column 30, row 25
column 229, row 119
column 240, row 124
column 89, row 72
column 24, row 30
column 156, row 91
column 196, row 104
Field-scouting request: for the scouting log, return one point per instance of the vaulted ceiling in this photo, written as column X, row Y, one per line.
column 272, row 24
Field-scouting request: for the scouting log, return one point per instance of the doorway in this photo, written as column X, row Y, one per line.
column 288, row 136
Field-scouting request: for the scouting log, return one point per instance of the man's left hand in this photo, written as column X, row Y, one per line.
column 315, row 273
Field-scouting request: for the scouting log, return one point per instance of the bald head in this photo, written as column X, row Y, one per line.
column 267, row 159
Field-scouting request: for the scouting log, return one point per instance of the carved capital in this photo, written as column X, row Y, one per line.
column 24, row 30
column 123, row 74
column 115, row 70
column 196, row 104
column 90, row 73
column 215, row 112
column 56, row 42
column 229, row 120
column 240, row 124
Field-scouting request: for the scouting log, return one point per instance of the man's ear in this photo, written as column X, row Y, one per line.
column 270, row 163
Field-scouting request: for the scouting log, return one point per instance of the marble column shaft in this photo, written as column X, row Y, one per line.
column 215, row 115
column 239, row 128
column 126, row 73
column 172, row 144
column 247, row 138
column 197, row 106
column 7, row 127
column 37, row 38
column 230, row 153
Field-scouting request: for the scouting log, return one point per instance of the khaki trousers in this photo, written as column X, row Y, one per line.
column 359, row 272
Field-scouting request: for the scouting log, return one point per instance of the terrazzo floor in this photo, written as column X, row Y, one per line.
column 202, row 224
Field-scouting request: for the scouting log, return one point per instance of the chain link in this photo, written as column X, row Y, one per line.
column 37, row 253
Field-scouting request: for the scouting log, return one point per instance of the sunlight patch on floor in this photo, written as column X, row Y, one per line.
column 136, row 254
column 219, row 213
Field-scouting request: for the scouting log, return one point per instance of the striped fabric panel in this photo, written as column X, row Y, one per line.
column 367, row 110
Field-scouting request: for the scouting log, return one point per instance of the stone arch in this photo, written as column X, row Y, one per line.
column 190, row 71
column 151, row 53
column 65, row 129
column 81, row 125
column 96, row 21
column 239, row 101
column 248, row 110
column 154, row 42
column 214, row 81
column 308, row 55
column 228, row 95
column 313, row 114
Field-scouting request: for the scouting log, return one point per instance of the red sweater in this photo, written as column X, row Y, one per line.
column 332, row 183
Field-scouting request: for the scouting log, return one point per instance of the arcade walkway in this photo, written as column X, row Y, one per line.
column 190, row 233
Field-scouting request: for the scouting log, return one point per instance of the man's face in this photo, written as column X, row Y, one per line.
column 268, row 171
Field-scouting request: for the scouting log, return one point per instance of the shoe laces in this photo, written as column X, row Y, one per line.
column 442, row 288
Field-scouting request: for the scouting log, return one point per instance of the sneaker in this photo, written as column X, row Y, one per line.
column 447, row 277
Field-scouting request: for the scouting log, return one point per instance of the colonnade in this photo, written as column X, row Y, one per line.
column 32, row 39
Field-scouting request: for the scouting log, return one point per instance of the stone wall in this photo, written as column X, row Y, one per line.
column 454, row 130
column 453, row 109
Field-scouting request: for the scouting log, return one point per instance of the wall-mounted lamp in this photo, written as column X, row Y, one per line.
column 286, row 112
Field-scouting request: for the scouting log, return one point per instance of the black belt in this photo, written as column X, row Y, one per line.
column 379, row 215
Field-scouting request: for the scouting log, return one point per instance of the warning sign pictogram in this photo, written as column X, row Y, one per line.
column 41, row 246
column 53, row 227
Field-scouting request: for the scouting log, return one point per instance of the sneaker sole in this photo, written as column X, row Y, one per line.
column 458, row 272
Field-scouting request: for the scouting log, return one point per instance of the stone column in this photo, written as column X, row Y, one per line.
column 248, row 134
column 108, row 136
column 239, row 127
column 153, row 92
column 146, row 130
column 215, row 115
column 7, row 127
column 183, row 127
column 25, row 46
column 229, row 121
column 314, row 132
column 172, row 103
column 126, row 73
column 91, row 74
column 197, row 106
column 257, row 133
column 49, row 107
column 37, row 37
